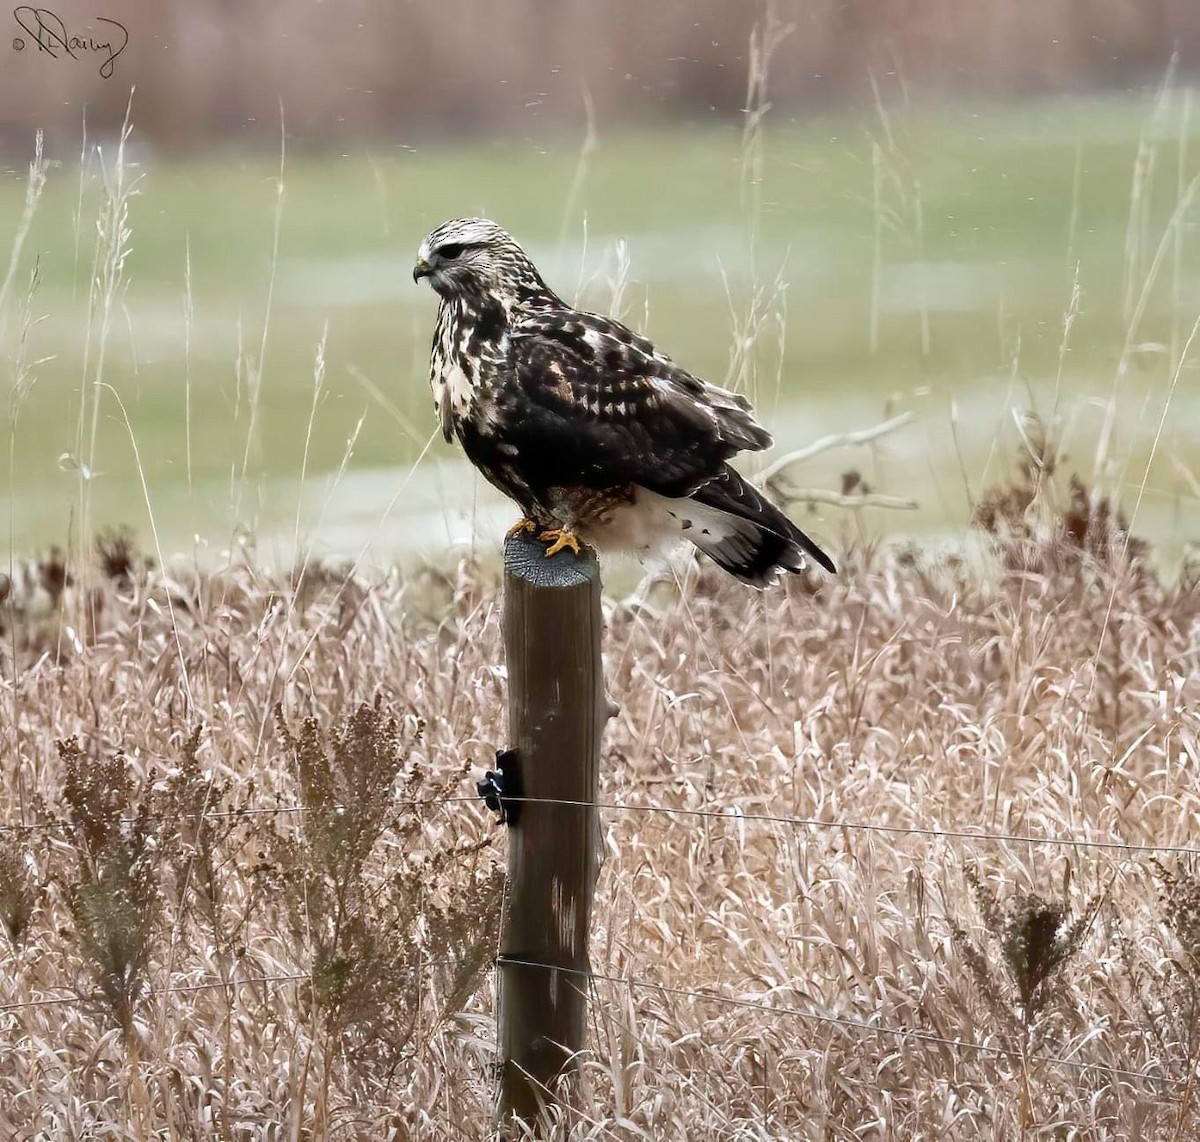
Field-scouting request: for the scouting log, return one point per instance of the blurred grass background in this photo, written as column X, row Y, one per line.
column 910, row 259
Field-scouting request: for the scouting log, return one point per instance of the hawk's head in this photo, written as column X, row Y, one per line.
column 472, row 257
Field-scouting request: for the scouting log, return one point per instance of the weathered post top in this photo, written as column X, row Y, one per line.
column 525, row 558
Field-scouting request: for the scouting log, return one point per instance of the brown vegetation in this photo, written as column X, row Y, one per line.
column 377, row 69
column 900, row 888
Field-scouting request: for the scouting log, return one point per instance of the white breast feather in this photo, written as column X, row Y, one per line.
column 453, row 384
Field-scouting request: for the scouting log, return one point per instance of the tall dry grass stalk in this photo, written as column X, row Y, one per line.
column 24, row 375
column 759, row 321
column 251, row 368
column 1137, row 230
column 119, row 180
column 34, row 186
column 898, row 211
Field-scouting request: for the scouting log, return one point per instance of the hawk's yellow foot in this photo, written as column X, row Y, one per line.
column 521, row 527
column 559, row 538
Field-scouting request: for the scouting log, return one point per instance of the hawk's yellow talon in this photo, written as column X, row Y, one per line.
column 521, row 527
column 562, row 538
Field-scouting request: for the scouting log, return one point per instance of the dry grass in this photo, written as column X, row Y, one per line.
column 318, row 969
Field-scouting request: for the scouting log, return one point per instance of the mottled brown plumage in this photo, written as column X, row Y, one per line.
column 585, row 423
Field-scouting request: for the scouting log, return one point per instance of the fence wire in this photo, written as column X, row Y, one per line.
column 634, row 983
column 76, row 999
column 735, row 816
column 844, row 1021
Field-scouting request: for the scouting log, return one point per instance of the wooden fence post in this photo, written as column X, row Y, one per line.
column 556, row 713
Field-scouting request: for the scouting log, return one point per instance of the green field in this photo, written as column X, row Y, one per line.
column 954, row 236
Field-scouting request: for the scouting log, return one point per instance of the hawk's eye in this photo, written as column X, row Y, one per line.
column 450, row 251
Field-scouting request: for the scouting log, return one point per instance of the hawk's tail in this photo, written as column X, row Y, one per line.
column 747, row 535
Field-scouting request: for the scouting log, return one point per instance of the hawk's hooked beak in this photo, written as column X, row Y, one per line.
column 421, row 270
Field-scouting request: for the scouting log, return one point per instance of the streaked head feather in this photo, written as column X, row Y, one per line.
column 473, row 257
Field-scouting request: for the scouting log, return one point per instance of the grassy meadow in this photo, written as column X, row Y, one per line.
column 903, row 853
column 840, row 269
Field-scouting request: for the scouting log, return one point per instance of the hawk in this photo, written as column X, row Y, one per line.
column 594, row 432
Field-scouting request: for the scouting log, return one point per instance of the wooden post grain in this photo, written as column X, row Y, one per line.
column 556, row 713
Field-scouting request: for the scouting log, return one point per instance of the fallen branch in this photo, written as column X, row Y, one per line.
column 774, row 481
column 792, row 495
column 836, row 440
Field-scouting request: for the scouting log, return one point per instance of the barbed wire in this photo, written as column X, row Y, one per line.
column 633, row 982
column 872, row 827
column 846, row 1022
column 179, row 989
column 734, row 815
column 83, row 1000
column 246, row 811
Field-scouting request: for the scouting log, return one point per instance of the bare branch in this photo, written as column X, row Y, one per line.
column 792, row 495
column 836, row 440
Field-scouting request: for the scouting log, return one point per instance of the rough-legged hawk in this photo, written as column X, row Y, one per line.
column 592, row 430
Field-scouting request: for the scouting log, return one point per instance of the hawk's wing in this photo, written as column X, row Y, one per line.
column 601, row 407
